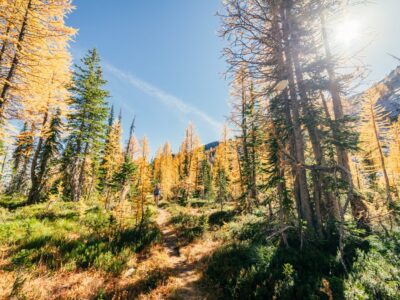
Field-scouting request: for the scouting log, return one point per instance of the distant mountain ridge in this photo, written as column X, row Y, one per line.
column 211, row 145
column 390, row 101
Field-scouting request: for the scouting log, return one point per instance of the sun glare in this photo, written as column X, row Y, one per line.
column 348, row 32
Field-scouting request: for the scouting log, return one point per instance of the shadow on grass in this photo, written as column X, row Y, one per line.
column 197, row 203
column 108, row 252
column 163, row 205
column 220, row 217
column 12, row 202
column 156, row 278
column 254, row 270
column 150, row 282
column 52, row 216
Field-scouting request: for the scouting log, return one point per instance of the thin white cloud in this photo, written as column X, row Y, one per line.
column 163, row 96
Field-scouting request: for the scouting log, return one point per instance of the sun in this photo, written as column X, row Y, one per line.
column 347, row 32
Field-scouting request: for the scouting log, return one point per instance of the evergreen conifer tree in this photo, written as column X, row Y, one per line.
column 21, row 158
column 48, row 159
column 86, row 124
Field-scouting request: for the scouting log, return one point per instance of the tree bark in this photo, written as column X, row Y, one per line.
column 35, row 190
column 282, row 73
column 359, row 209
column 15, row 61
column 306, row 212
column 381, row 157
column 4, row 46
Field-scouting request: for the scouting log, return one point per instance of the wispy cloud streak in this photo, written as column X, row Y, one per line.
column 161, row 95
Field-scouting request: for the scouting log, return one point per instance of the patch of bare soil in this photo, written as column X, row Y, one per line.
column 179, row 270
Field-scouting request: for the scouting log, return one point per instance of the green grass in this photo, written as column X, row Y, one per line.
column 69, row 236
column 12, row 201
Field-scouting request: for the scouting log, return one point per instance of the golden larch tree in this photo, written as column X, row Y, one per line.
column 164, row 170
column 112, row 159
column 143, row 185
column 374, row 135
column 34, row 37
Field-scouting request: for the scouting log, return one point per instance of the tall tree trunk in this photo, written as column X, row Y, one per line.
column 3, row 164
column 76, row 170
column 381, row 157
column 282, row 73
column 15, row 61
column 333, row 204
column 359, row 208
column 318, row 179
column 4, row 46
column 254, row 192
column 244, row 124
column 305, row 206
column 78, row 173
column 253, row 151
column 82, row 172
column 35, row 190
column 75, row 179
column 20, row 184
column 239, row 162
column 91, row 185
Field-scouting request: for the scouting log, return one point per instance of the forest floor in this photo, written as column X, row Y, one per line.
column 169, row 271
column 191, row 250
column 171, row 268
column 185, row 265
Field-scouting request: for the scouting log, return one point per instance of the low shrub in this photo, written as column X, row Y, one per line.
column 264, row 270
column 236, row 269
column 196, row 202
column 219, row 218
column 23, row 257
column 137, row 238
column 189, row 227
column 375, row 273
column 98, row 221
column 153, row 279
column 112, row 263
column 249, row 228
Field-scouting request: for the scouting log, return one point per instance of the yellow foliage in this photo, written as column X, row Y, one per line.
column 113, row 157
column 164, row 170
column 226, row 158
column 188, row 160
column 34, row 57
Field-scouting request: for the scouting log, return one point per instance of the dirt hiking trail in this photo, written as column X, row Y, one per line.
column 185, row 265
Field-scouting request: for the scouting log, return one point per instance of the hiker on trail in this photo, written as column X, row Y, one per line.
column 157, row 194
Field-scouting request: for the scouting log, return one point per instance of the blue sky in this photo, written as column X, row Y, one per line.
column 162, row 59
